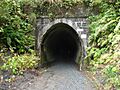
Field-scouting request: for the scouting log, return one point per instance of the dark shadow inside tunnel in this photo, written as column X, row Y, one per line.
column 61, row 42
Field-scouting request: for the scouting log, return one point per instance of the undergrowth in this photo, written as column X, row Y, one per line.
column 16, row 64
column 104, row 49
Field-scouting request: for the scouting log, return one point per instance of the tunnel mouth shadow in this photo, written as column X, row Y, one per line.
column 60, row 43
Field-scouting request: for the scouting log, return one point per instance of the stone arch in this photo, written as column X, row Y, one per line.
column 55, row 28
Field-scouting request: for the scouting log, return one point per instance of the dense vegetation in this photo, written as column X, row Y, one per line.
column 16, row 37
column 15, row 28
column 104, row 40
column 17, row 20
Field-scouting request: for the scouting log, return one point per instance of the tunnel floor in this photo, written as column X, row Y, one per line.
column 60, row 76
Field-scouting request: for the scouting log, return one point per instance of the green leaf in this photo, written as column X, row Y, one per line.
column 9, row 41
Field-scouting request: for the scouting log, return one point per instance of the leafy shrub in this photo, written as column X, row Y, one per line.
column 15, row 28
column 104, row 50
column 19, row 63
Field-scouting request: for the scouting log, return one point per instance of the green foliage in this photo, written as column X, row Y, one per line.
column 17, row 18
column 19, row 63
column 104, row 50
column 15, row 29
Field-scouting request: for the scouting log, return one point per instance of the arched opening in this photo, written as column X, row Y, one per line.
column 60, row 42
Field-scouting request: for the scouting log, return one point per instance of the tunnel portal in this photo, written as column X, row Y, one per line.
column 61, row 42
column 63, row 38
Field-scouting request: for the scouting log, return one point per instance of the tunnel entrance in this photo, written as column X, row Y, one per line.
column 60, row 42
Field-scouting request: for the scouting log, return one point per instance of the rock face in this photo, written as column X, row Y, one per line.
column 61, row 38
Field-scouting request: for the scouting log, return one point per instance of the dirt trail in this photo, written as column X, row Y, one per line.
column 59, row 76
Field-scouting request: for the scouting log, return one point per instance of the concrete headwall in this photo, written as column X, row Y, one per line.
column 78, row 24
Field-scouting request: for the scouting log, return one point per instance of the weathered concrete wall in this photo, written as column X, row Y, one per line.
column 76, row 10
column 78, row 24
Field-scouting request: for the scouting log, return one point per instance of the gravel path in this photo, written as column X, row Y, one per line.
column 59, row 76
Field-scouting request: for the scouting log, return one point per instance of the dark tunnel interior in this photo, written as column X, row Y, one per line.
column 61, row 43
